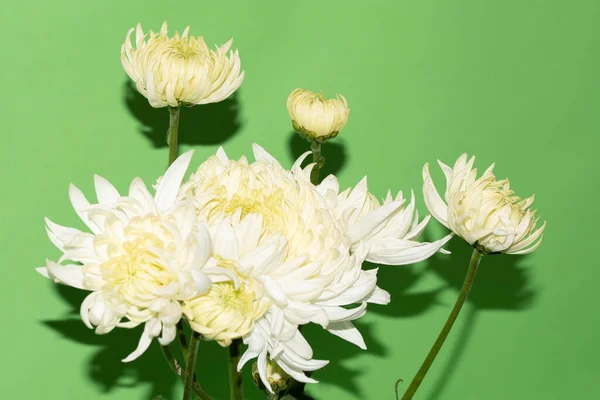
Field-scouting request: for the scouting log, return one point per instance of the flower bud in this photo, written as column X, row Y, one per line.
column 277, row 377
column 484, row 211
column 315, row 117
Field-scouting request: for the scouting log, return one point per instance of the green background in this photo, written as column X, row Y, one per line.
column 515, row 82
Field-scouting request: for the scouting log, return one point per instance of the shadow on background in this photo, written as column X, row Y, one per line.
column 206, row 124
column 334, row 153
column 500, row 284
column 150, row 370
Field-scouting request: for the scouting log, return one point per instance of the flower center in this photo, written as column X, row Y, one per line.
column 133, row 270
column 269, row 204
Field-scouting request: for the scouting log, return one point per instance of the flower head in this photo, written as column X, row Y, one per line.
column 316, row 117
column 180, row 70
column 483, row 211
column 296, row 254
column 143, row 256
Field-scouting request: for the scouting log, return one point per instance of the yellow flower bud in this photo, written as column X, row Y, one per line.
column 315, row 117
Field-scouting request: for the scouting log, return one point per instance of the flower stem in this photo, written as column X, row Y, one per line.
column 190, row 368
column 182, row 340
column 172, row 133
column 315, row 147
column 236, row 391
column 179, row 371
column 462, row 296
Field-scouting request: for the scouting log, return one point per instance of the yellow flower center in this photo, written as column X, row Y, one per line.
column 131, row 269
column 268, row 204
column 225, row 312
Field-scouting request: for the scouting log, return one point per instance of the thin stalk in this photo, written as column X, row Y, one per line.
column 179, row 371
column 462, row 296
column 236, row 391
column 182, row 340
column 315, row 147
column 172, row 133
column 188, row 383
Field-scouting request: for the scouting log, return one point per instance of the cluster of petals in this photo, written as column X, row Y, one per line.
column 144, row 255
column 241, row 250
column 180, row 70
column 483, row 211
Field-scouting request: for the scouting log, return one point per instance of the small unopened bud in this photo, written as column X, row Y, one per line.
column 277, row 377
column 316, row 118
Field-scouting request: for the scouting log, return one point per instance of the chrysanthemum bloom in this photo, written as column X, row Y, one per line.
column 389, row 228
column 295, row 261
column 484, row 212
column 316, row 117
column 174, row 71
column 143, row 256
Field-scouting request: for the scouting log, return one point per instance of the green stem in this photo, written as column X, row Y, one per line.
column 182, row 340
column 236, row 391
column 172, row 133
column 462, row 296
column 190, row 368
column 179, row 371
column 315, row 147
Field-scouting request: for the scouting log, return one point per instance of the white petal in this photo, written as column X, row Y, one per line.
column 105, row 191
column 373, row 221
column 81, row 205
column 433, row 201
column 222, row 156
column 348, row 332
column 403, row 252
column 143, row 345
column 261, row 154
column 296, row 168
column 168, row 186
column 71, row 275
column 203, row 246
column 378, row 296
column 226, row 243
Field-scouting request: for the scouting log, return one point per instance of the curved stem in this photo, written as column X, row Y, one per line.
column 236, row 391
column 172, row 133
column 190, row 367
column 462, row 296
column 315, row 147
column 179, row 371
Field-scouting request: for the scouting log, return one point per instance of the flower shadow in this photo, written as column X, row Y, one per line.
column 501, row 284
column 107, row 371
column 334, row 153
column 206, row 124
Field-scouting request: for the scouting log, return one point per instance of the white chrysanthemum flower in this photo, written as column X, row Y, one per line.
column 294, row 257
column 389, row 229
column 143, row 256
column 174, row 71
column 484, row 212
column 316, row 117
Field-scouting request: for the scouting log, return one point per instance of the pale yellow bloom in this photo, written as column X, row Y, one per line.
column 180, row 70
column 227, row 311
column 316, row 117
column 484, row 211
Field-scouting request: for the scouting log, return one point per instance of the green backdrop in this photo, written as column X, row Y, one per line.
column 515, row 82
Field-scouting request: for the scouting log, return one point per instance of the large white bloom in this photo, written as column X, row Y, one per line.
column 174, row 71
column 143, row 256
column 298, row 255
column 483, row 211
